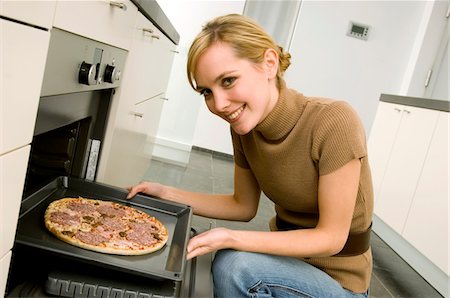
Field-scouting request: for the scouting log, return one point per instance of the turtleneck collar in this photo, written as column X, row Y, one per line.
column 285, row 114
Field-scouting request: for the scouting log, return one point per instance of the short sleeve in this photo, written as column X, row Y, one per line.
column 338, row 137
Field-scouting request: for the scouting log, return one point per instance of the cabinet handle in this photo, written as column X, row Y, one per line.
column 397, row 110
column 150, row 31
column 165, row 98
column 118, row 4
column 147, row 30
column 427, row 80
column 136, row 114
column 407, row 111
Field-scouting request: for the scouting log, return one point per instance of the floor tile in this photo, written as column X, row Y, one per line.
column 396, row 275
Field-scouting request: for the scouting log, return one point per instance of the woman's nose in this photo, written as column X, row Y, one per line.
column 221, row 101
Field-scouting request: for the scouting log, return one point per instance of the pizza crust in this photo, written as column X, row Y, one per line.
column 105, row 226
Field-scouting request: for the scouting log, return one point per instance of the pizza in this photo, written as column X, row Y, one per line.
column 105, row 226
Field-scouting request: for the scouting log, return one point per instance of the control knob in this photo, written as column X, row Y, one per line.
column 111, row 74
column 87, row 74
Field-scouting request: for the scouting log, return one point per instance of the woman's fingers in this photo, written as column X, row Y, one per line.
column 207, row 242
column 134, row 190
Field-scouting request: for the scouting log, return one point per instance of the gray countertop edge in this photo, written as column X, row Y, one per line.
column 152, row 11
column 426, row 103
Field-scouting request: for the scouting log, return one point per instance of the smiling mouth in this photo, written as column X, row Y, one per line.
column 236, row 113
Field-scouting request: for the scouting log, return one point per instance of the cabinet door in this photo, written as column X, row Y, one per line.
column 147, row 115
column 38, row 13
column 404, row 165
column 145, row 77
column 149, row 62
column 427, row 226
column 4, row 270
column 21, row 73
column 110, row 22
column 13, row 167
column 381, row 140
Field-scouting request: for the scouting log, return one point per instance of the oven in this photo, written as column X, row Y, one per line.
column 80, row 80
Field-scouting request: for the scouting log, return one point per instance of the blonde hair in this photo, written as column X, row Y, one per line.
column 248, row 39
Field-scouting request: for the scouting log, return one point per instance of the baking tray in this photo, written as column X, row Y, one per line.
column 167, row 263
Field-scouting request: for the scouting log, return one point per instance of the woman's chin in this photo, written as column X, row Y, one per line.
column 240, row 129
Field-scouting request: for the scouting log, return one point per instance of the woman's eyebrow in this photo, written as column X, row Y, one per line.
column 218, row 78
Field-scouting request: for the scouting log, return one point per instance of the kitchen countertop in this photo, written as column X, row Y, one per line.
column 426, row 103
column 152, row 11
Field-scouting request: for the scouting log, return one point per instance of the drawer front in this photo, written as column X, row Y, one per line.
column 13, row 167
column 150, row 62
column 145, row 116
column 39, row 13
column 4, row 268
column 21, row 77
column 105, row 21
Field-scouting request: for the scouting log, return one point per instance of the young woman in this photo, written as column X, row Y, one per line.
column 307, row 154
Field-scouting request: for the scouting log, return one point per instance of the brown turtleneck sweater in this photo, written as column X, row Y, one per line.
column 301, row 139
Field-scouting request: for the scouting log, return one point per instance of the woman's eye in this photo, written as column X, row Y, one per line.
column 205, row 92
column 226, row 82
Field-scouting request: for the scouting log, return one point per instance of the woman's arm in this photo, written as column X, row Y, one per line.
column 241, row 206
column 337, row 198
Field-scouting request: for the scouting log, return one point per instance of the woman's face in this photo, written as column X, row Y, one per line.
column 237, row 90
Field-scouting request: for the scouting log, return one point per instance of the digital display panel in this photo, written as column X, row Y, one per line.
column 358, row 29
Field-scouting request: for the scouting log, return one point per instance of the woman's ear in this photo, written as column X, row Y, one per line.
column 271, row 63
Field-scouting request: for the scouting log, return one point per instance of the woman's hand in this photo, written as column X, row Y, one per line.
column 209, row 241
column 149, row 188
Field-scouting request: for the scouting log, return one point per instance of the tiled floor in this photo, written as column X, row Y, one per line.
column 213, row 173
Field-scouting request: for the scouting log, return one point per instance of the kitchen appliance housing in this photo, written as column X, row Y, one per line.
column 80, row 80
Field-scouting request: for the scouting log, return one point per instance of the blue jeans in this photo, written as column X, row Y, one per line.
column 243, row 274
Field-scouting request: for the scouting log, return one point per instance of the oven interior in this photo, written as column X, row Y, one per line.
column 65, row 128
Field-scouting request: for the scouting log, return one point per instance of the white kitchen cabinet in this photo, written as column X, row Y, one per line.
column 20, row 67
column 21, row 73
column 106, row 21
column 151, row 61
column 427, row 226
column 147, row 75
column 13, row 167
column 37, row 13
column 398, row 165
column 384, row 128
column 4, row 268
column 409, row 157
column 137, row 114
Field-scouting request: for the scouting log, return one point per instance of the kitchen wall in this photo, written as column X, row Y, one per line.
column 327, row 62
column 403, row 36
